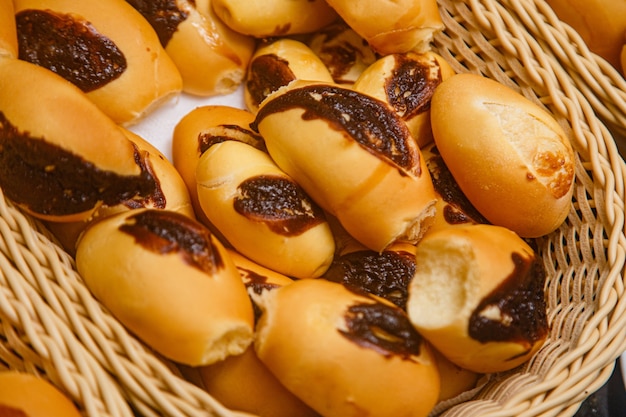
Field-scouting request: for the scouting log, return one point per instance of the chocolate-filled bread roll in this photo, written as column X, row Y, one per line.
column 61, row 157
column 211, row 57
column 354, row 156
column 170, row 282
column 262, row 212
column 8, row 32
column 477, row 297
column 106, row 48
column 363, row 355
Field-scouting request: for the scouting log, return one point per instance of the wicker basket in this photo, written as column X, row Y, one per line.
column 51, row 325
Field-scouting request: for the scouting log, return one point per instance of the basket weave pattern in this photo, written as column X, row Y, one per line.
column 50, row 324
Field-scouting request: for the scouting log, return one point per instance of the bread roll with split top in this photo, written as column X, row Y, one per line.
column 392, row 26
column 106, row 48
column 407, row 82
column 8, row 32
column 344, row 52
column 354, row 156
column 45, row 119
column 277, row 63
column 274, row 18
column 170, row 282
column 211, row 57
column 509, row 156
column 345, row 353
column 250, row 200
column 477, row 297
column 27, row 395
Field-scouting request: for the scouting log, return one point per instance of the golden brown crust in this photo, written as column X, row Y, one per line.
column 26, row 395
column 169, row 281
column 46, row 118
column 477, row 296
column 274, row 17
column 308, row 332
column 509, row 156
column 133, row 60
column 392, row 26
column 354, row 156
column 250, row 200
column 211, row 57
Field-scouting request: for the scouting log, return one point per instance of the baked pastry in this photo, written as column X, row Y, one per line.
column 477, row 297
column 362, row 354
column 23, row 394
column 250, row 200
column 407, row 82
column 392, row 26
column 170, row 282
column 354, row 156
column 44, row 119
column 274, row 17
column 211, row 57
column 344, row 52
column 278, row 62
column 106, row 49
column 509, row 156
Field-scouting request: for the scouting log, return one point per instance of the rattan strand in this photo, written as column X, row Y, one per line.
column 52, row 326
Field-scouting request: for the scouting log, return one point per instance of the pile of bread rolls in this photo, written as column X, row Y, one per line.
column 357, row 240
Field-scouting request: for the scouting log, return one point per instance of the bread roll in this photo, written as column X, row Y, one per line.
column 477, row 296
column 392, row 26
column 344, row 52
column 169, row 281
column 354, row 156
column 45, row 119
column 23, row 394
column 277, row 63
column 345, row 353
column 250, row 200
column 105, row 48
column 453, row 207
column 407, row 82
column 8, row 32
column 510, row 157
column 274, row 17
column 211, row 57
column 600, row 23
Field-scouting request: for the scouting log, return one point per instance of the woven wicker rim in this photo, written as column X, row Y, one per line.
column 52, row 326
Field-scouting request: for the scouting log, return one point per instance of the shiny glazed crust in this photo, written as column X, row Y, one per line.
column 510, row 157
column 190, row 314
column 300, row 340
column 150, row 74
